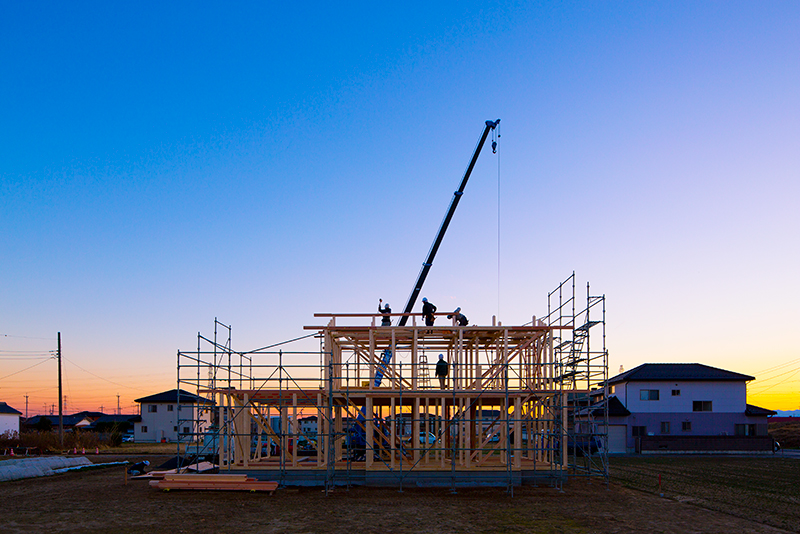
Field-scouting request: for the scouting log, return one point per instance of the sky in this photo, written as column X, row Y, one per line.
column 165, row 165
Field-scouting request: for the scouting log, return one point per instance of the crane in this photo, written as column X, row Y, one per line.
column 428, row 263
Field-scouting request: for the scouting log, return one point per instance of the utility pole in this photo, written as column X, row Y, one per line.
column 60, row 398
column 118, row 412
column 26, row 407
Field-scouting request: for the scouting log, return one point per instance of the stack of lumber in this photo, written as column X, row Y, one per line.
column 200, row 468
column 213, row 482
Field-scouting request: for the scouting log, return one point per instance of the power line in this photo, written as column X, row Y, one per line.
column 101, row 378
column 779, row 383
column 23, row 370
column 780, row 375
column 27, row 337
column 779, row 366
column 28, row 351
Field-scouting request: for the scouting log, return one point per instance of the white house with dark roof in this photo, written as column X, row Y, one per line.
column 9, row 418
column 680, row 406
column 171, row 416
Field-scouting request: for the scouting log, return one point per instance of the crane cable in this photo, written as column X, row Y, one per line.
column 495, row 137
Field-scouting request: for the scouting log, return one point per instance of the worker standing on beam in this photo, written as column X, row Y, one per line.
column 428, row 309
column 442, row 370
column 386, row 320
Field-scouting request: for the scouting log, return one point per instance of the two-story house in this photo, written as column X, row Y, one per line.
column 164, row 418
column 9, row 419
column 683, row 406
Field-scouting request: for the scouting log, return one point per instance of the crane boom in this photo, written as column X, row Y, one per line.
column 426, row 266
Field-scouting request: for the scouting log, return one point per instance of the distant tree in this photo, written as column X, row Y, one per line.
column 43, row 424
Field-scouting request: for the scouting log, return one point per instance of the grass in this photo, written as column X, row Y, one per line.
column 764, row 489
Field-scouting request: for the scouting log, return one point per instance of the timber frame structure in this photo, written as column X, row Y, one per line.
column 521, row 405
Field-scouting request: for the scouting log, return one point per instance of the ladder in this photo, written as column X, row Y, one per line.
column 423, row 376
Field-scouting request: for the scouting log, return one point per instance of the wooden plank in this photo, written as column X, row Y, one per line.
column 174, row 477
column 247, row 485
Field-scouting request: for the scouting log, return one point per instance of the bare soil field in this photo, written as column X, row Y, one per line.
column 98, row 501
column 764, row 489
column 787, row 434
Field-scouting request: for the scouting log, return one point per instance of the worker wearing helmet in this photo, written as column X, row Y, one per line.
column 442, row 370
column 461, row 319
column 386, row 320
column 428, row 309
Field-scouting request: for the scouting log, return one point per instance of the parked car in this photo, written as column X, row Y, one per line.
column 127, row 438
column 430, row 439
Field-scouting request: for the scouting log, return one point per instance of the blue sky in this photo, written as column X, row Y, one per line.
column 162, row 166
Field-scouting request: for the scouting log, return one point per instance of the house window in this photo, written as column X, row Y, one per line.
column 170, row 408
column 186, row 430
column 745, row 430
column 648, row 395
column 174, row 428
column 686, row 426
column 665, row 427
column 639, row 431
column 676, row 393
column 152, row 408
column 144, row 430
column 701, row 406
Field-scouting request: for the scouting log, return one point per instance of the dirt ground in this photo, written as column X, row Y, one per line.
column 99, row 501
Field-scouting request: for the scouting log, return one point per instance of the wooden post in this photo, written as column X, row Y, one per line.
column 564, row 444
column 369, row 449
column 338, row 431
column 517, row 432
column 427, row 429
column 295, row 429
column 415, row 441
column 284, row 431
column 393, row 429
column 372, row 355
column 414, row 361
column 320, row 447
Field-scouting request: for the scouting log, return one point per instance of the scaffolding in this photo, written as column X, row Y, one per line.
column 519, row 404
column 584, row 373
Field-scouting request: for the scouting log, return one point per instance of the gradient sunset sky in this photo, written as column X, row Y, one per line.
column 161, row 166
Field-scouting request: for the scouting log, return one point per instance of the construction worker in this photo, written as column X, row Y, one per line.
column 386, row 321
column 442, row 370
column 461, row 319
column 138, row 469
column 428, row 309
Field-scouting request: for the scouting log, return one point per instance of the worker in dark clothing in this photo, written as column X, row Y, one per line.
column 461, row 319
column 138, row 469
column 386, row 321
column 428, row 309
column 442, row 369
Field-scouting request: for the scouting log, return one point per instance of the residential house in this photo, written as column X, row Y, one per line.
column 165, row 419
column 662, row 407
column 9, row 419
column 308, row 425
column 80, row 420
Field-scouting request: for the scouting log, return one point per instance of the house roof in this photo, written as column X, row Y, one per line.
column 5, row 408
column 69, row 420
column 615, row 408
column 114, row 418
column 172, row 396
column 653, row 372
column 755, row 410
